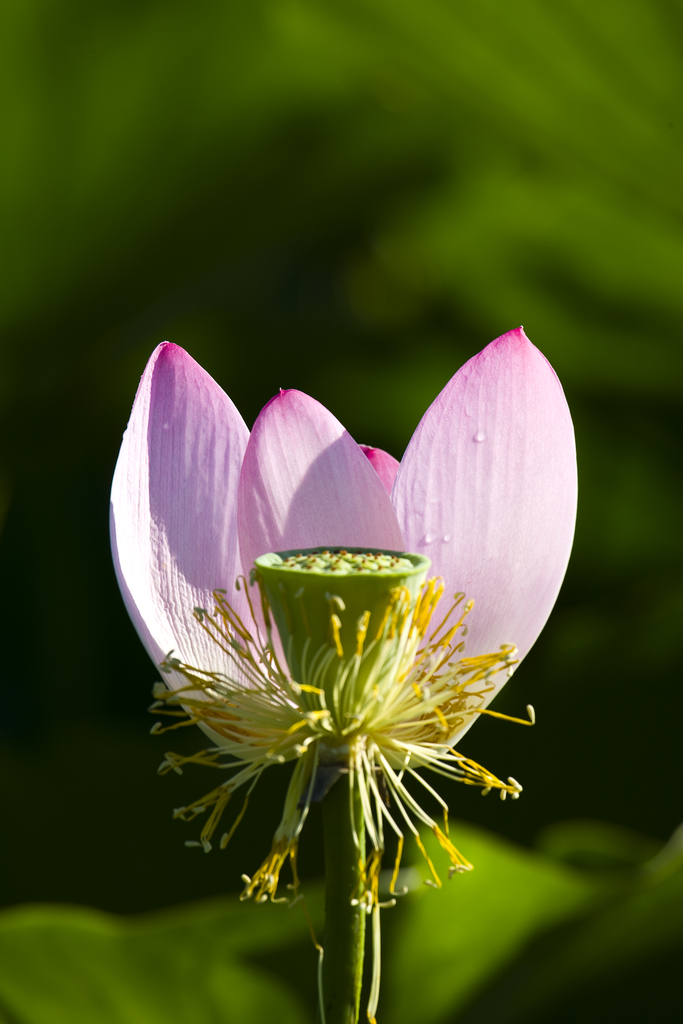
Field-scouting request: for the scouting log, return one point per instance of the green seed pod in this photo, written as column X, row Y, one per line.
column 332, row 606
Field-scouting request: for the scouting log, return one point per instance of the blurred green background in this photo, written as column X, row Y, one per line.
column 350, row 198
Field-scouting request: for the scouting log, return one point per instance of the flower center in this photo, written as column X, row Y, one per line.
column 346, row 562
column 343, row 616
column 371, row 686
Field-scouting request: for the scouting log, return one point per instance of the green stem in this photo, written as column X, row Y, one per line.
column 344, row 937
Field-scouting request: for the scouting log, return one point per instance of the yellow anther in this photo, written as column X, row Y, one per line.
column 437, row 880
column 361, row 632
column 437, row 593
column 397, row 865
column 506, row 718
column 227, row 836
column 385, row 617
column 459, row 862
column 442, row 718
column 335, row 639
column 293, row 728
column 316, row 716
column 264, row 883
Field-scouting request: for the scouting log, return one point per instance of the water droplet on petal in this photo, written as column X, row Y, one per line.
column 479, row 436
column 428, row 538
column 446, row 537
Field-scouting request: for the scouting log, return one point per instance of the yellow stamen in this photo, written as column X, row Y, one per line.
column 215, row 816
column 459, row 862
column 507, row 718
column 397, row 865
column 227, row 836
column 264, row 883
column 335, row 641
column 398, row 718
column 442, row 718
column 457, row 598
column 361, row 632
column 437, row 880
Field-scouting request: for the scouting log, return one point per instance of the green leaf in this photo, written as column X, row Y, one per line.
column 185, row 966
column 525, row 932
column 507, row 942
column 446, row 944
column 597, row 844
column 632, row 926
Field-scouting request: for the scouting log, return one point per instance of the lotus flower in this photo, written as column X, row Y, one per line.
column 486, row 491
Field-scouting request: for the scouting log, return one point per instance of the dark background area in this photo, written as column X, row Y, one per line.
column 349, row 198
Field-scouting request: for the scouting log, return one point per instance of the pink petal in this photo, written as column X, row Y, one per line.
column 487, row 489
column 384, row 465
column 174, row 505
column 305, row 482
